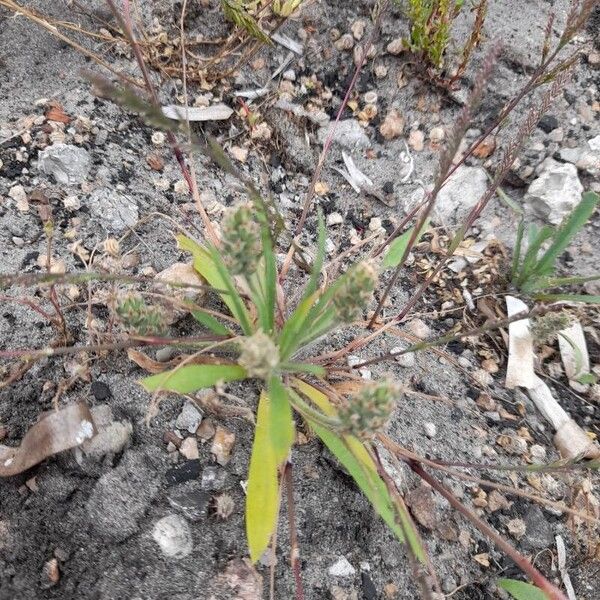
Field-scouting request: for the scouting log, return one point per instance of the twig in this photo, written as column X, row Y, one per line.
column 294, row 546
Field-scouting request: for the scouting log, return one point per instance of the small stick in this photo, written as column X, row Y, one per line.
column 294, row 546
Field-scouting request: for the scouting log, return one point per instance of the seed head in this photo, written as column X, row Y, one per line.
column 224, row 506
column 241, row 241
column 370, row 409
column 140, row 318
column 355, row 291
column 259, row 355
column 544, row 329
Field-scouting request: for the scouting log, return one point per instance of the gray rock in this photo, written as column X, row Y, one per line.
column 114, row 211
column 189, row 499
column 213, row 478
column 404, row 360
column 121, row 497
column 460, row 194
column 348, row 134
column 538, row 532
column 68, row 164
column 111, row 437
column 430, row 429
column 570, row 155
column 174, row 536
column 189, row 418
column 555, row 192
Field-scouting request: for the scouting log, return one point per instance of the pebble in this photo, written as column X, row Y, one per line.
column 419, row 329
column 404, row 360
column 213, row 478
column 538, row 454
column 189, row 448
column 189, row 418
column 158, row 138
column 289, row 75
column 538, row 534
column 174, row 536
column 111, row 436
column 116, row 212
column 222, row 445
column 186, row 471
column 334, row 218
column 555, row 192
column 430, row 429
column 348, row 134
column 341, row 568
column 548, row 123
column 68, row 164
column 190, row 500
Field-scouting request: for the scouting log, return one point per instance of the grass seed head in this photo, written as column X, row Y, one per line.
column 241, row 241
column 370, row 409
column 259, row 356
column 355, row 291
column 140, row 318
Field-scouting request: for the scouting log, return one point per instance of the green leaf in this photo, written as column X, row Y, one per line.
column 351, row 452
column 235, row 11
column 289, row 336
column 270, row 278
column 570, row 226
column 521, row 590
column 536, row 238
column 209, row 264
column 552, row 282
column 262, row 500
column 210, row 322
column 281, row 420
column 587, row 379
column 398, row 246
column 190, row 378
column 585, row 298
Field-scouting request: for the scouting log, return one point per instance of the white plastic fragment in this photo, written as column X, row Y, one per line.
column 562, row 567
column 519, row 370
column 574, row 352
column 216, row 112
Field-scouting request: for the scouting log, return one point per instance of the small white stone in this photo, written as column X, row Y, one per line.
column 334, row 218
column 189, row 418
column 538, row 454
column 342, row 568
column 158, row 138
column 189, row 448
column 174, row 536
column 430, row 429
column 404, row 360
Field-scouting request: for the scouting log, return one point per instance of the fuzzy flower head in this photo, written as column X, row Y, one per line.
column 545, row 329
column 241, row 241
column 259, row 355
column 140, row 318
column 369, row 410
column 355, row 291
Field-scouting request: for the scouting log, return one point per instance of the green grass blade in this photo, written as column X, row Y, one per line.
column 262, row 500
column 270, row 279
column 211, row 323
column 570, row 226
column 311, row 286
column 520, row 590
column 191, row 378
column 536, row 238
column 552, row 282
column 585, row 298
column 289, row 334
column 294, row 367
column 398, row 246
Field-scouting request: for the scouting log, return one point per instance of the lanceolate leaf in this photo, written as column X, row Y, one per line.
column 208, row 264
column 398, row 246
column 357, row 460
column 262, row 501
column 210, row 322
column 281, row 421
column 190, row 378
column 521, row 590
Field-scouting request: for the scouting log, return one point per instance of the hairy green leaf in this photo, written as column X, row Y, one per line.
column 262, row 500
column 191, row 378
column 281, row 421
column 398, row 246
column 521, row 590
